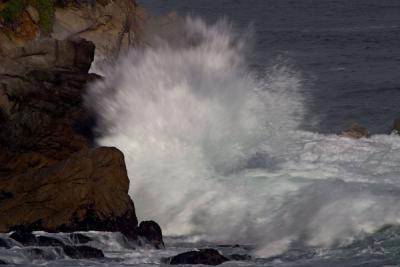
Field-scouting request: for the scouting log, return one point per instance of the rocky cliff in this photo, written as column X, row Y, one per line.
column 50, row 177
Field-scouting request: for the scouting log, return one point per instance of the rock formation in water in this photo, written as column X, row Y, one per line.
column 356, row 131
column 52, row 178
column 202, row 256
column 396, row 127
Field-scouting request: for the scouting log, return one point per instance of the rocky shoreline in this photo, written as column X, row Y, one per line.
column 52, row 176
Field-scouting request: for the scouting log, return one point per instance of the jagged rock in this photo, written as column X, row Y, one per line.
column 111, row 25
column 80, row 238
column 83, row 252
column 41, row 87
column 88, row 191
column 356, row 131
column 152, row 232
column 46, row 241
column 203, row 256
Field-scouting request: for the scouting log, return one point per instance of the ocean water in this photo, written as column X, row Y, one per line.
column 347, row 51
column 230, row 133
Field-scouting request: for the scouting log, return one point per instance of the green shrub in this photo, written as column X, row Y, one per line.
column 45, row 9
column 13, row 10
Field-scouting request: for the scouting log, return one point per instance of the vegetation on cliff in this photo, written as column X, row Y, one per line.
column 13, row 10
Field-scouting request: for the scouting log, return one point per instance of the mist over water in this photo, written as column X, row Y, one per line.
column 214, row 150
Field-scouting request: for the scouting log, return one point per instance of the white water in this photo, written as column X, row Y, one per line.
column 213, row 151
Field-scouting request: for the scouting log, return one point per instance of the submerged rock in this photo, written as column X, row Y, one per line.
column 356, row 131
column 83, row 252
column 152, row 233
column 240, row 257
column 4, row 243
column 203, row 256
column 47, row 241
column 78, row 238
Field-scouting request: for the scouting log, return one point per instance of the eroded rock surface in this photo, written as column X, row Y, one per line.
column 51, row 178
column 88, row 191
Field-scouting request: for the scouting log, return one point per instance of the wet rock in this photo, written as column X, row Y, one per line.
column 47, row 241
column 83, row 252
column 87, row 191
column 152, row 233
column 203, row 256
column 3, row 262
column 78, row 238
column 240, row 257
column 24, row 237
column 396, row 127
column 356, row 131
column 4, row 243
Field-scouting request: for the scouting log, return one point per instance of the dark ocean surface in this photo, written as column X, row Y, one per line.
column 347, row 51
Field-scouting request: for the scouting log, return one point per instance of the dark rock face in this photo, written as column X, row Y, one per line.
column 203, row 256
column 56, row 204
column 83, row 252
column 151, row 231
column 396, row 126
column 50, row 177
column 356, row 131
column 41, row 88
column 26, row 238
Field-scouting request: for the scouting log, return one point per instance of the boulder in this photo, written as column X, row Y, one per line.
column 202, row 256
column 83, row 252
column 356, row 131
column 87, row 191
column 151, row 232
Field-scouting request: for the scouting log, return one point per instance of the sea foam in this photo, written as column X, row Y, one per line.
column 214, row 149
